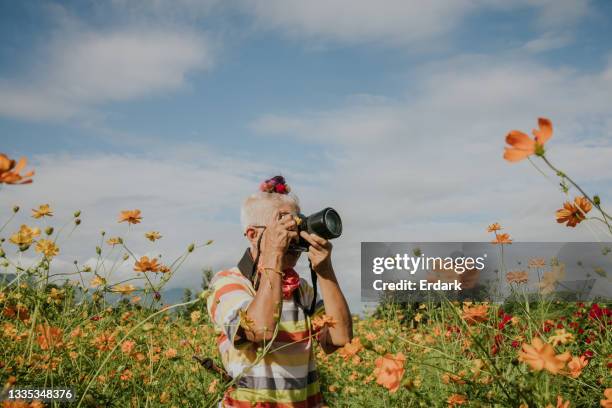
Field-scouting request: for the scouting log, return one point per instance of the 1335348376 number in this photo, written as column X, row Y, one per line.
column 47, row 394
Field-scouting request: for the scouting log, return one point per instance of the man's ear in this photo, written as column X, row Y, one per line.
column 252, row 234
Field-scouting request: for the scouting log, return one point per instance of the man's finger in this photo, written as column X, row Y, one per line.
column 309, row 237
column 321, row 241
column 289, row 222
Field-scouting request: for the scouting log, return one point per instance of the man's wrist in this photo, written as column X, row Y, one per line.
column 272, row 260
column 325, row 269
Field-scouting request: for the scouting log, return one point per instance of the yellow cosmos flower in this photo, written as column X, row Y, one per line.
column 124, row 289
column 47, row 247
column 25, row 235
column 43, row 211
column 152, row 236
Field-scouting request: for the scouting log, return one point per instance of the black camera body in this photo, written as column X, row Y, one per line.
column 325, row 223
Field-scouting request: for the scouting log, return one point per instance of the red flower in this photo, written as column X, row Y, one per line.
column 595, row 311
column 280, row 188
column 504, row 321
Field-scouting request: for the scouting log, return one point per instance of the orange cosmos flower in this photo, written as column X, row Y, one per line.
column 517, row 277
column 537, row 263
column 539, row 355
column 9, row 171
column 607, row 403
column 49, row 336
column 390, row 370
column 560, row 403
column 475, row 314
column 104, row 341
column 494, row 227
column 146, row 265
column 127, row 346
column 170, row 353
column 43, row 211
column 126, row 375
column 323, row 321
column 130, row 216
column 523, row 146
column 20, row 404
column 351, row 349
column 502, row 239
column 576, row 365
column 456, row 399
column 574, row 214
column 561, row 337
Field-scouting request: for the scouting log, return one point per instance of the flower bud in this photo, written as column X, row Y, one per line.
column 98, row 250
column 49, row 230
column 596, row 200
column 15, row 208
column 77, row 221
column 103, row 233
column 157, row 295
column 2, row 254
column 126, row 257
column 77, row 213
column 190, row 248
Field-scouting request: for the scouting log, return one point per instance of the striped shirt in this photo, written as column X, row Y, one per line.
column 287, row 375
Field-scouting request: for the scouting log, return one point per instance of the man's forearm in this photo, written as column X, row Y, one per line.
column 265, row 306
column 336, row 307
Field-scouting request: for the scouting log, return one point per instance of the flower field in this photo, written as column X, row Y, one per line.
column 139, row 351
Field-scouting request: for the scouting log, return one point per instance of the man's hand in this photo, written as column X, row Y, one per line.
column 319, row 252
column 276, row 239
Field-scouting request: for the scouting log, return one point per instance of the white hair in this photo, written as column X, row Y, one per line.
column 259, row 208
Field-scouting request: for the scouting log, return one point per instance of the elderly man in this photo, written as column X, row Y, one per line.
column 262, row 306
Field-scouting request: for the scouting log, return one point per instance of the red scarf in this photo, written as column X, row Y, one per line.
column 291, row 281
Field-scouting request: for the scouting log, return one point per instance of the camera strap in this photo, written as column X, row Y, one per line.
column 248, row 267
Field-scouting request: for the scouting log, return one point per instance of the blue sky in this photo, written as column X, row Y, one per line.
column 393, row 111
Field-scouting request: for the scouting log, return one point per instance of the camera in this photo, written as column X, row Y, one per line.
column 325, row 223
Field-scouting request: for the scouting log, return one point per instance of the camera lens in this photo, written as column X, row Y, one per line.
column 333, row 222
column 325, row 223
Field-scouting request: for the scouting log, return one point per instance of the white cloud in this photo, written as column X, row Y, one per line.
column 548, row 41
column 429, row 167
column 85, row 68
column 397, row 22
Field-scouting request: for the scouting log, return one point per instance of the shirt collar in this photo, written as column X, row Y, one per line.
column 246, row 264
